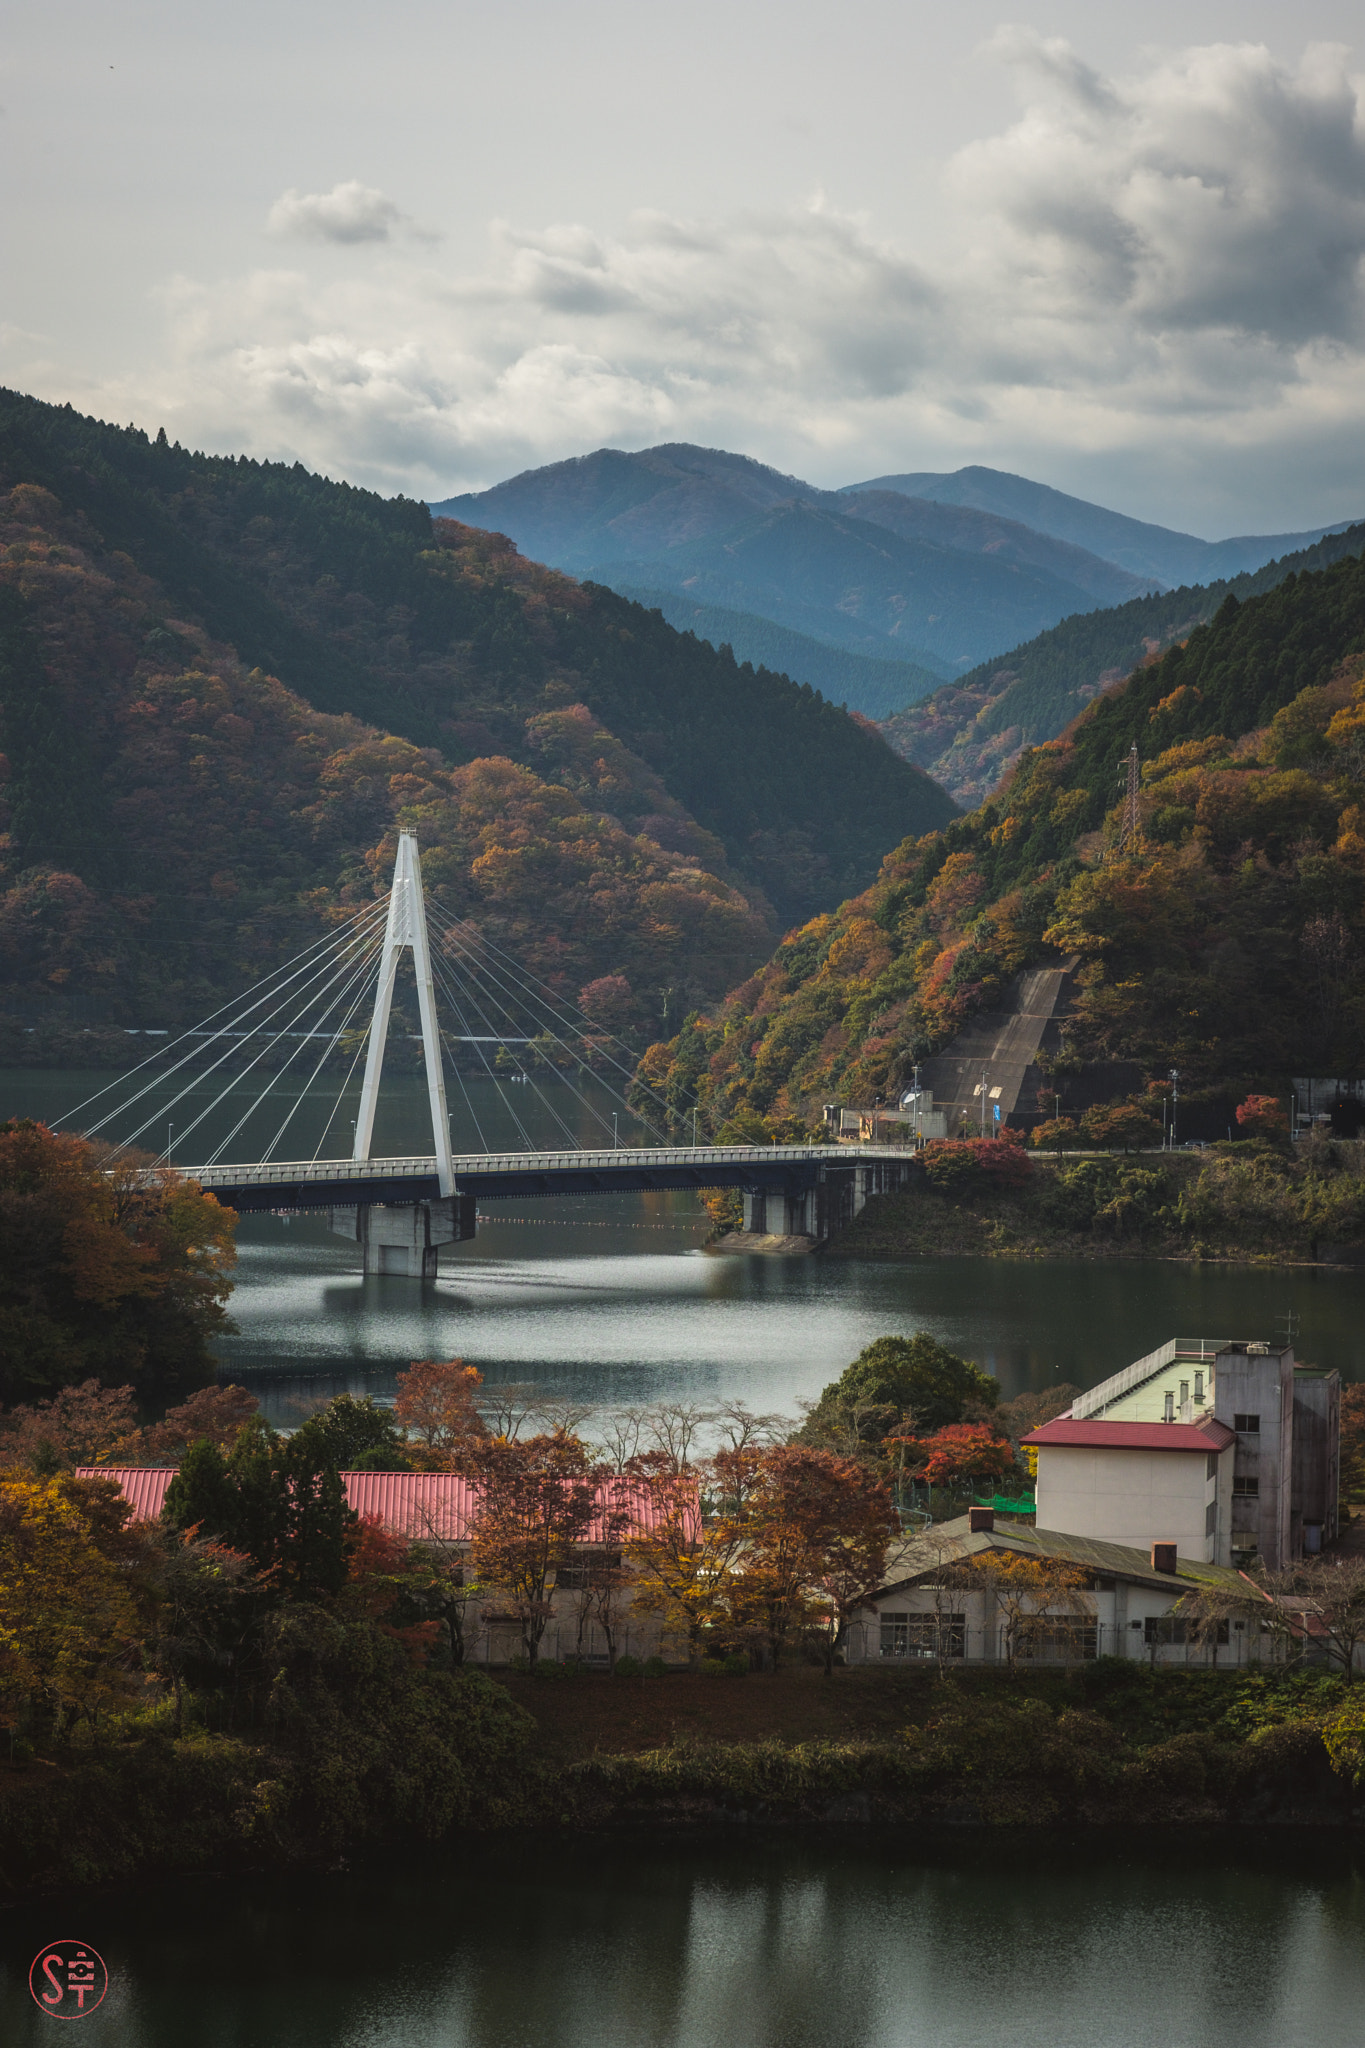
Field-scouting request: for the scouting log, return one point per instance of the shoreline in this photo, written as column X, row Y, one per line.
column 1164, row 1752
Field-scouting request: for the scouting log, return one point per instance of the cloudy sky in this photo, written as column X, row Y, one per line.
column 426, row 245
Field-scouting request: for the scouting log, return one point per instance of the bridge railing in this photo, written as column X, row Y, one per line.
column 474, row 1164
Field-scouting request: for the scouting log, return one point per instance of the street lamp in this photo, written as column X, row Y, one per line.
column 613, row 1130
column 170, row 1129
column 1175, row 1101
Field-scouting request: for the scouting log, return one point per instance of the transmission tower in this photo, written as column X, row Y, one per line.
column 1129, row 830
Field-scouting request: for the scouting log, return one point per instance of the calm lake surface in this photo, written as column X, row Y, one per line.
column 839, row 1941
column 610, row 1299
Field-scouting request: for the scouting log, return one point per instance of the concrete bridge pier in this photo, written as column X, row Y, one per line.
column 774, row 1212
column 404, row 1238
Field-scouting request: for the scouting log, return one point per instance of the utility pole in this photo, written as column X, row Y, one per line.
column 983, row 1102
column 1175, row 1102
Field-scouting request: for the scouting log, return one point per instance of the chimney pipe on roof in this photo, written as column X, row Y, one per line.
column 981, row 1521
column 1163, row 1557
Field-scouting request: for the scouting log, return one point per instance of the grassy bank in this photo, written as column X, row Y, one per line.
column 1242, row 1201
column 1102, row 1744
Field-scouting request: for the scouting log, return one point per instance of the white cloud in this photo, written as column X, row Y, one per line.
column 1160, row 278
column 351, row 212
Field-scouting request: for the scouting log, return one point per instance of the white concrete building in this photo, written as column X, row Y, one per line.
column 1139, row 1483
column 942, row 1599
column 1286, row 1419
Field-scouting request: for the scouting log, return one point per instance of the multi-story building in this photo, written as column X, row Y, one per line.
column 1285, row 1421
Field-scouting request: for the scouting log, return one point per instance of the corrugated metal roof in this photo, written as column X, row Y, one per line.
column 436, row 1506
column 144, row 1485
column 1135, row 1436
column 950, row 1542
column 430, row 1506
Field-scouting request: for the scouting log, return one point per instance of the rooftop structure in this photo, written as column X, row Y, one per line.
column 1285, row 1419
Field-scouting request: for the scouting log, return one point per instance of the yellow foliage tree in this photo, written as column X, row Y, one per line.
column 66, row 1612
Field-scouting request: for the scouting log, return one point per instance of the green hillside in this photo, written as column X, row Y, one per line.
column 1226, row 937
column 127, row 559
column 968, row 732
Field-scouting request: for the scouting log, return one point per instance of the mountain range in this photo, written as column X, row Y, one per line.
column 938, row 573
column 224, row 684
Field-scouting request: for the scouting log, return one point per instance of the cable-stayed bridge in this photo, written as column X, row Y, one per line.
column 401, row 1210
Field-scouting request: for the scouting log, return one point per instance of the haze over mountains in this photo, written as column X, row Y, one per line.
column 935, row 574
column 1146, row 551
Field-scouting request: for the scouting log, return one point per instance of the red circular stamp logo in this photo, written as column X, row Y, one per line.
column 68, row 1979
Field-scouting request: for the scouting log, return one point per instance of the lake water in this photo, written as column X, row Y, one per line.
column 753, row 1941
column 609, row 1299
column 844, row 1940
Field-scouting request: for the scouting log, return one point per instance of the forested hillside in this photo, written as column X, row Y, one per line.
column 863, row 682
column 366, row 605
column 1226, row 936
column 224, row 682
column 968, row 733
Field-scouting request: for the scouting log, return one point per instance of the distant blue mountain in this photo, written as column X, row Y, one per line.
column 1133, row 544
column 936, row 586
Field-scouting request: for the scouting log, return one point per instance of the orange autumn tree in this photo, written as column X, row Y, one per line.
column 436, row 1407
column 958, row 1452
column 537, row 1500
column 1262, row 1116
column 817, row 1529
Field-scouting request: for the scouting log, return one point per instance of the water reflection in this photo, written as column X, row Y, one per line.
column 618, row 1305
column 843, row 1941
column 609, row 1299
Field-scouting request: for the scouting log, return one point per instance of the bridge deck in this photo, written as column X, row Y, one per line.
column 339, row 1183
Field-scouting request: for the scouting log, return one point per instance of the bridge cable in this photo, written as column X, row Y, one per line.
column 369, row 941
column 349, row 972
column 575, row 1056
column 321, row 969
column 468, row 1099
column 543, row 1030
column 453, row 998
column 364, row 978
column 570, row 1134
column 578, row 1021
column 198, row 1030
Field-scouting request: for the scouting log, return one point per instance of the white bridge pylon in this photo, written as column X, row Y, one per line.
column 407, row 927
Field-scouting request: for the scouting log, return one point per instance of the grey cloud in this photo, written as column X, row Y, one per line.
column 1222, row 190
column 350, row 212
column 1172, row 260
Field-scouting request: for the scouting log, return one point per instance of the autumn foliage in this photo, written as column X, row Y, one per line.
column 1263, row 1116
column 110, row 1268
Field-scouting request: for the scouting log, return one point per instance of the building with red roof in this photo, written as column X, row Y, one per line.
column 1138, row 1483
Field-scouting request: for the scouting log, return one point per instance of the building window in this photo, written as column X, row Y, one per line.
column 586, row 1571
column 1247, row 1425
column 1170, row 1628
column 1211, row 1468
column 1061, row 1642
column 1211, row 1519
column 924, row 1635
column 1246, row 1484
column 1199, row 1386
